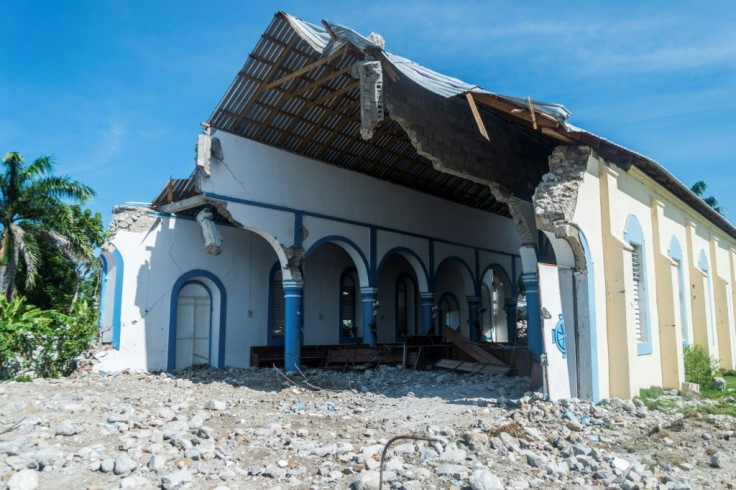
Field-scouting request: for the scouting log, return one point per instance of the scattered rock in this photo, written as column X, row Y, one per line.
column 24, row 480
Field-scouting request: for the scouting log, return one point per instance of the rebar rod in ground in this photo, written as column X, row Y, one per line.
column 391, row 441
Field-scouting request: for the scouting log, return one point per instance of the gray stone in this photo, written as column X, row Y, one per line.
column 719, row 460
column 66, row 429
column 216, row 405
column 453, row 454
column 107, row 465
column 124, row 465
column 485, row 480
column 176, row 479
column 720, row 384
column 452, row 470
column 24, row 480
column 367, row 480
column 135, row 482
column 156, row 462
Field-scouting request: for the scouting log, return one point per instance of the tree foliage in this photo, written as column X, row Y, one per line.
column 699, row 189
column 34, row 211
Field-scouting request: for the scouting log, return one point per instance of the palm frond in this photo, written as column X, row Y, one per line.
column 699, row 188
column 28, row 249
column 38, row 168
column 61, row 188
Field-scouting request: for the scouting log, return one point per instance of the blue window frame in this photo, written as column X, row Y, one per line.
column 348, row 306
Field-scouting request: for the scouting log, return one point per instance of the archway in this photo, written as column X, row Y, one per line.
column 500, row 293
column 454, row 279
column 197, row 321
column 398, row 315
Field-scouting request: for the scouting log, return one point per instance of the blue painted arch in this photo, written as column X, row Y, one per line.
column 353, row 250
column 471, row 284
column 508, row 283
column 196, row 276
column 117, row 304
column 414, row 260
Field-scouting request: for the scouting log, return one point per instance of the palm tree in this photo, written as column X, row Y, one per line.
column 699, row 188
column 33, row 207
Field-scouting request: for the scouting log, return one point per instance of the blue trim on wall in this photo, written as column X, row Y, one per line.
column 373, row 267
column 221, row 197
column 103, row 288
column 591, row 317
column 188, row 277
column 675, row 253
column 117, row 304
column 473, row 280
column 634, row 235
column 400, row 250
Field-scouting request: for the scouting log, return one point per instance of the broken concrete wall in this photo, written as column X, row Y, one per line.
column 444, row 131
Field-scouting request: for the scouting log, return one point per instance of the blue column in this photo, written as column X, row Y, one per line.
column 292, row 334
column 510, row 307
column 368, row 297
column 474, row 318
column 533, row 313
column 427, row 300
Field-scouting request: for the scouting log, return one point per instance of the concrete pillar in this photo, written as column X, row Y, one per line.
column 474, row 318
column 427, row 300
column 534, row 314
column 369, row 296
column 510, row 307
column 292, row 333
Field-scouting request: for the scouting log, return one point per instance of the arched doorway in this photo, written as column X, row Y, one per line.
column 197, row 329
column 194, row 325
column 398, row 297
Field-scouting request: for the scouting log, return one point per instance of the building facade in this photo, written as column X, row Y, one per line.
column 345, row 195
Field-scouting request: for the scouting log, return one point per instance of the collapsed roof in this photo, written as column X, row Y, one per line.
column 296, row 92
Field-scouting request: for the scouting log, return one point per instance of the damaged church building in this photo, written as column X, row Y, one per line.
column 346, row 198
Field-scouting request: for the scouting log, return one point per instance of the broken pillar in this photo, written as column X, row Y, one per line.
column 369, row 296
column 212, row 242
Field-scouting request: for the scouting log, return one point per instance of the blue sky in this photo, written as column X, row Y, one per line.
column 116, row 90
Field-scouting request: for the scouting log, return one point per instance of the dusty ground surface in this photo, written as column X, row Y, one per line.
column 242, row 429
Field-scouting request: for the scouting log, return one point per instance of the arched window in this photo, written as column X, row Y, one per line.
column 634, row 236
column 276, row 307
column 675, row 253
column 405, row 306
column 449, row 311
column 348, row 306
column 708, row 293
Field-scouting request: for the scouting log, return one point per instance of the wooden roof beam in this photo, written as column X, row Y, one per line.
column 305, row 69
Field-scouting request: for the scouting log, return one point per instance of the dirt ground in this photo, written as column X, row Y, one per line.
column 256, row 428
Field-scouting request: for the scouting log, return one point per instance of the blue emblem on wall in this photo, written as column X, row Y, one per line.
column 558, row 337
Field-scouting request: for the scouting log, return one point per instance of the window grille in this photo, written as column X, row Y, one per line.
column 638, row 286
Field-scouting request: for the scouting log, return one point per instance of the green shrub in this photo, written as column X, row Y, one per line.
column 35, row 342
column 699, row 367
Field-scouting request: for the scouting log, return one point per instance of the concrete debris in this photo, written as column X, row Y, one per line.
column 251, row 428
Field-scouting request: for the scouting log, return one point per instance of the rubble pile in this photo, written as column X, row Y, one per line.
column 258, row 428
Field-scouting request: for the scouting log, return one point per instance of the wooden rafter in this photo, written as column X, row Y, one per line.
column 336, row 93
column 476, row 115
column 306, row 69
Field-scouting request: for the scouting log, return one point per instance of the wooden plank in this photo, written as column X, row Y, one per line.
column 532, row 112
column 345, row 89
column 471, row 367
column 305, row 69
column 476, row 115
column 471, row 348
column 184, row 204
column 321, row 81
